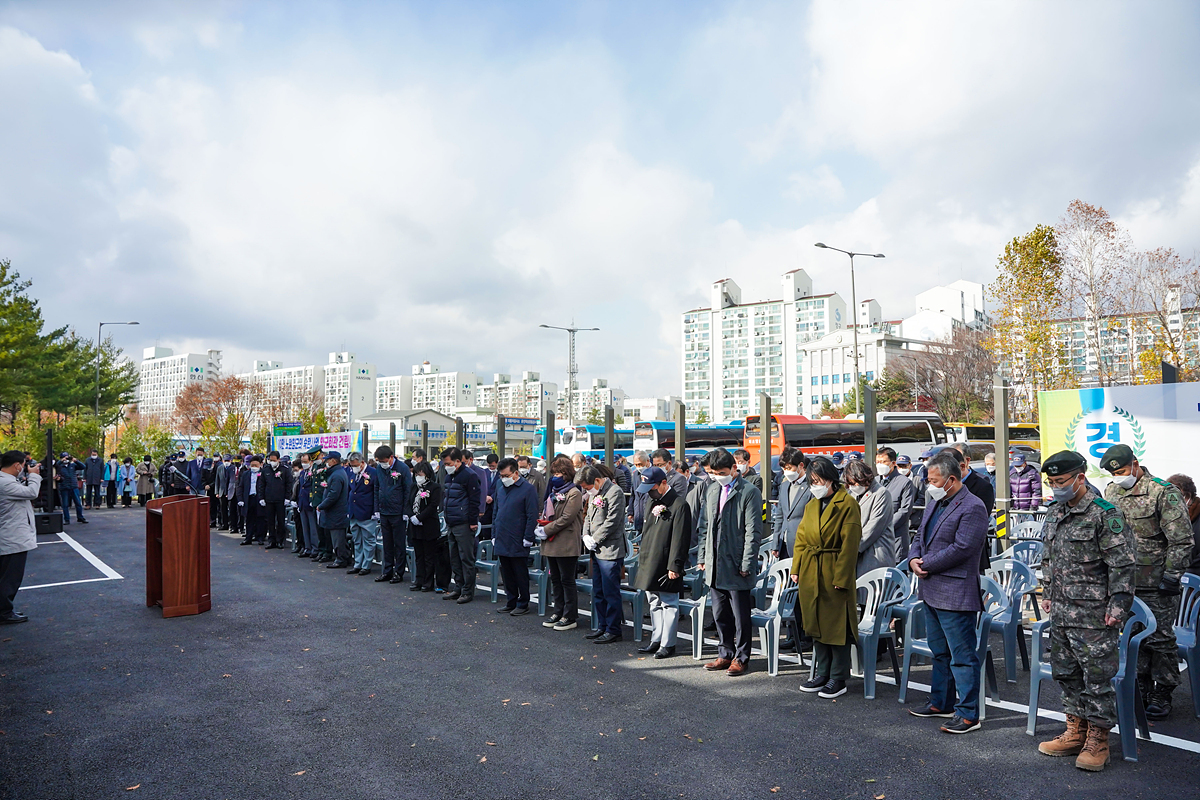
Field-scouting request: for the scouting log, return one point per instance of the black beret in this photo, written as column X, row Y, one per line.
column 1117, row 456
column 1063, row 462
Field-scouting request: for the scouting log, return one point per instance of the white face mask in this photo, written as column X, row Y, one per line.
column 883, row 470
column 357, row 469
column 273, row 464
column 507, row 481
column 791, row 475
column 451, row 469
column 820, row 491
column 724, row 480
column 905, row 471
column 936, row 493
column 523, row 470
column 990, row 467
column 422, row 480
column 743, row 467
column 857, row 491
column 254, row 470
column 1125, row 481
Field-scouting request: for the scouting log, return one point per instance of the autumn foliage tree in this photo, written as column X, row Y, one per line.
column 218, row 413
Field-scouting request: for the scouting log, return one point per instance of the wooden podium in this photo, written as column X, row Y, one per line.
column 178, row 575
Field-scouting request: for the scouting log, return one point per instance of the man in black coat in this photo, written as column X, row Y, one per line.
column 395, row 507
column 252, row 502
column 277, row 489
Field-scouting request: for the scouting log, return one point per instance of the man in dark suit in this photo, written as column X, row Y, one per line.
column 334, row 509
column 794, row 495
column 728, row 558
column 277, row 489
column 945, row 555
column 252, row 502
column 199, row 472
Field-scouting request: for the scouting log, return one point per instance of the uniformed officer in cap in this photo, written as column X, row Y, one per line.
column 1163, row 529
column 1087, row 590
column 319, row 478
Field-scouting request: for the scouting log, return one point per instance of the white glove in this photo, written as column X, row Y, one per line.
column 262, row 502
column 415, row 521
column 589, row 542
column 493, row 544
column 527, row 543
column 240, row 503
column 406, row 518
column 539, row 533
column 375, row 515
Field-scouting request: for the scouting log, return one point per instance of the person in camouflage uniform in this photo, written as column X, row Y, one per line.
column 319, row 478
column 1158, row 515
column 1088, row 567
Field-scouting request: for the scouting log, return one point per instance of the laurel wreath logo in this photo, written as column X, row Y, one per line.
column 1138, row 446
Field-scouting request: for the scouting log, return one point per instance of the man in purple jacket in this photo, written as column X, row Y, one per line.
column 945, row 555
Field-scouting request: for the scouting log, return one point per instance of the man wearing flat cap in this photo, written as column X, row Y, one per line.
column 319, row 475
column 1159, row 517
column 1088, row 567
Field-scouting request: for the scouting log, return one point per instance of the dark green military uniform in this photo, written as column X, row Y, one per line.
column 1158, row 515
column 316, row 495
column 1088, row 571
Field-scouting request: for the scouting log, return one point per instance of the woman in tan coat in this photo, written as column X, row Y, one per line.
column 560, row 532
column 823, row 566
column 145, row 472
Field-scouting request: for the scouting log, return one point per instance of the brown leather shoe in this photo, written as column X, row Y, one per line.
column 1095, row 751
column 737, row 668
column 1070, row 742
column 719, row 664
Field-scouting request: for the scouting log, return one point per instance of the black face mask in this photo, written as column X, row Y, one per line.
column 654, row 495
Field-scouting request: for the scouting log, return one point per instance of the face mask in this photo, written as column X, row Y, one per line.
column 451, row 469
column 790, row 475
column 724, row 480
column 858, row 491
column 508, row 482
column 492, row 469
column 94, row 456
column 422, row 480
column 358, row 470
column 990, row 467
column 254, row 470
column 592, row 492
column 936, row 493
column 146, row 460
column 743, row 467
column 523, row 470
column 905, row 471
column 1064, row 493
column 883, row 470
column 820, row 492
column 273, row 464
column 1125, row 481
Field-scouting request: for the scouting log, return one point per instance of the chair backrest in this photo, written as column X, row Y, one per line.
column 884, row 587
column 1027, row 552
column 766, row 560
column 995, row 601
column 787, row 602
column 483, row 551
column 1029, row 529
column 1015, row 578
column 1139, row 615
column 775, row 582
column 1189, row 602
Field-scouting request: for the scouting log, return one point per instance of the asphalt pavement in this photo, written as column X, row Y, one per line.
column 304, row 682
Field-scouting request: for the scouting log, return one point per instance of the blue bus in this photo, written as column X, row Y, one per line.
column 588, row 440
column 654, row 434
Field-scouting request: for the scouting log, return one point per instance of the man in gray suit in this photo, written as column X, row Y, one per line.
column 901, row 490
column 728, row 558
column 793, row 497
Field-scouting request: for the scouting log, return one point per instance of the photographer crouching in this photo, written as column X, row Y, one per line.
column 20, row 481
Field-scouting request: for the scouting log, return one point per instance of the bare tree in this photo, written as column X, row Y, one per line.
column 956, row 374
column 1164, row 297
column 1094, row 253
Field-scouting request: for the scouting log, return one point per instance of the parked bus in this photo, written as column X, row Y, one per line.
column 654, row 434
column 1026, row 433
column 908, row 433
column 539, row 442
column 588, row 440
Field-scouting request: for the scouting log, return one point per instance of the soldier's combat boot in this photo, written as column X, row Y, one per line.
column 1070, row 742
column 1095, row 751
column 1159, row 706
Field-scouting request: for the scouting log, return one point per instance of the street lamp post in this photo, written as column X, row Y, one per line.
column 853, row 302
column 571, row 331
column 100, row 328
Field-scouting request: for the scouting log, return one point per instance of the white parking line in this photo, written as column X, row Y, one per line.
column 109, row 573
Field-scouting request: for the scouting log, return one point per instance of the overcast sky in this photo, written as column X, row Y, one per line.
column 432, row 180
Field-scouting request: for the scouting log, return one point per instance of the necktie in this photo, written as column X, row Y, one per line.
column 724, row 497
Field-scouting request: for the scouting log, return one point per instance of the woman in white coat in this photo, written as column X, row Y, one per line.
column 878, row 545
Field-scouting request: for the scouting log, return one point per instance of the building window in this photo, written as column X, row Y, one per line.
column 837, row 398
column 835, row 379
column 846, row 378
column 824, row 379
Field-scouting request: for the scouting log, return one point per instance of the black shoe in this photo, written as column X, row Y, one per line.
column 929, row 711
column 788, row 644
column 383, row 576
column 960, row 725
column 648, row 649
column 550, row 620
column 274, row 547
column 594, row 635
column 243, row 543
column 832, row 689
column 335, row 565
column 1159, row 706
column 302, row 554
column 814, row 685
column 607, row 638
column 519, row 611
column 466, row 598
column 396, row 579
column 452, row 595
column 320, row 559
column 362, row 572
column 416, row 588
column 15, row 618
column 222, row 529
column 353, row 571
column 505, row 610
column 665, row 652
column 84, row 521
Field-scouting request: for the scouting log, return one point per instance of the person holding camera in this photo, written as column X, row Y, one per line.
column 19, row 486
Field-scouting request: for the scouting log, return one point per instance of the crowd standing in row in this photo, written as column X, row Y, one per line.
column 835, row 518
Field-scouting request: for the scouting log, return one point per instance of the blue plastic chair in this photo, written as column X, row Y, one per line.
column 1019, row 582
column 540, row 572
column 1131, row 714
column 994, row 601
column 694, row 607
column 769, row 618
column 1185, row 633
column 485, row 561
column 881, row 589
column 1028, row 552
column 635, row 597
